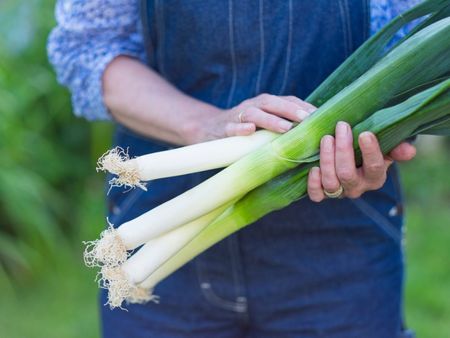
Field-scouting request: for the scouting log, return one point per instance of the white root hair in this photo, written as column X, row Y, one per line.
column 118, row 162
column 141, row 295
column 109, row 250
column 121, row 289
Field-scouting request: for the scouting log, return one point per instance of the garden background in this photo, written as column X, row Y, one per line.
column 51, row 199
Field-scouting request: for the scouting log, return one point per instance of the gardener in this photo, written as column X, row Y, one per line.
column 181, row 72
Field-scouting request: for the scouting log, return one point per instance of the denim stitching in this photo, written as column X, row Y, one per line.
column 159, row 9
column 288, row 51
column 366, row 12
column 232, row 52
column 262, row 46
column 208, row 292
column 144, row 18
column 238, row 278
column 348, row 26
column 344, row 20
column 383, row 223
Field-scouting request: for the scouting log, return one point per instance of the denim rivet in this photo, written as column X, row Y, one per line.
column 240, row 307
column 116, row 210
column 205, row 285
column 393, row 212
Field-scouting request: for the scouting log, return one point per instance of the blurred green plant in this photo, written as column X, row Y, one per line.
column 45, row 151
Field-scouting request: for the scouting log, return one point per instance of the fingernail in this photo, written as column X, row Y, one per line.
column 326, row 143
column 284, row 125
column 365, row 138
column 301, row 114
column 342, row 130
column 314, row 170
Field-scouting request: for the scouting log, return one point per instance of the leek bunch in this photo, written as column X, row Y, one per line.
column 394, row 94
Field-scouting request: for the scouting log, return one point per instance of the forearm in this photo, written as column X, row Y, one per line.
column 143, row 101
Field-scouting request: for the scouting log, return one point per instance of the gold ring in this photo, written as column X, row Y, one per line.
column 240, row 117
column 335, row 194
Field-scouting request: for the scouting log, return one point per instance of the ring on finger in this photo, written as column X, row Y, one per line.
column 335, row 194
column 241, row 120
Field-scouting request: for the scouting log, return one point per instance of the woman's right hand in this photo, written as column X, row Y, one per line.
column 265, row 111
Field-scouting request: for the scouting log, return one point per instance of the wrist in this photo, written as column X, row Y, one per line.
column 197, row 127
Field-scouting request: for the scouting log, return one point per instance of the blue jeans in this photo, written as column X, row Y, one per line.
column 333, row 269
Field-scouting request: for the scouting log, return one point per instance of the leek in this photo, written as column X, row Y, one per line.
column 404, row 68
column 417, row 115
column 180, row 161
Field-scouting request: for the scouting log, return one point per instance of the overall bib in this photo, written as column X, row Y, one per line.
column 332, row 269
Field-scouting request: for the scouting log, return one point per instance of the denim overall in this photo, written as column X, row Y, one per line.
column 333, row 269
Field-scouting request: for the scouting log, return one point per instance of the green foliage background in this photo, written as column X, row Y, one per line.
column 51, row 199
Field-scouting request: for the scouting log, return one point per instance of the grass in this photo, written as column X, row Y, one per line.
column 62, row 301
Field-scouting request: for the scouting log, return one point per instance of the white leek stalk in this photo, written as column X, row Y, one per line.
column 180, row 161
column 122, row 281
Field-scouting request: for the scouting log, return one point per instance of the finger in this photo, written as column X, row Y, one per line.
column 373, row 164
column 345, row 158
column 265, row 120
column 403, row 152
column 280, row 107
column 239, row 129
column 315, row 190
column 308, row 107
column 330, row 181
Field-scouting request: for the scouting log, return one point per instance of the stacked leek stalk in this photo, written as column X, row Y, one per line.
column 395, row 94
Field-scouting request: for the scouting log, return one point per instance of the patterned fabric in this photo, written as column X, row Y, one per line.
column 90, row 34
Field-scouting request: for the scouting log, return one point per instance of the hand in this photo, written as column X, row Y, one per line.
column 337, row 164
column 271, row 112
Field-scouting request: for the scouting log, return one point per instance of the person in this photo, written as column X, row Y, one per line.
column 171, row 73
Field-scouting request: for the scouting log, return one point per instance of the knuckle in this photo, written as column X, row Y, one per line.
column 330, row 184
column 292, row 98
column 244, row 104
column 346, row 175
column 315, row 199
column 377, row 184
column 264, row 99
column 353, row 194
column 229, row 130
column 245, row 114
column 375, row 167
column 342, row 147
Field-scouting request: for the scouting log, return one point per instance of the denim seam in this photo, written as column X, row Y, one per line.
column 348, row 26
column 366, row 20
column 344, row 23
column 160, row 9
column 383, row 223
column 262, row 47
column 144, row 18
column 232, row 52
column 288, row 51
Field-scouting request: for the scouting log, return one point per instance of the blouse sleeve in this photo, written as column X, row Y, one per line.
column 88, row 36
column 383, row 11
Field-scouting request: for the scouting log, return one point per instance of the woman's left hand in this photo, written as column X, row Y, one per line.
column 338, row 168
